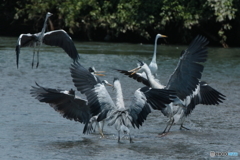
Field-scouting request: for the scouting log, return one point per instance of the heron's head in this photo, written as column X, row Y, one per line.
column 106, row 83
column 141, row 66
column 160, row 36
column 49, row 14
column 115, row 80
column 94, row 71
column 71, row 91
column 91, row 69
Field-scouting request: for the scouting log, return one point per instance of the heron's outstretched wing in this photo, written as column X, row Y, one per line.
column 206, row 95
column 186, row 76
column 61, row 39
column 24, row 40
column 64, row 102
column 146, row 98
column 138, row 77
column 98, row 97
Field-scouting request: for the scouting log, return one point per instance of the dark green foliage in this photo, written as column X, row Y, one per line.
column 143, row 18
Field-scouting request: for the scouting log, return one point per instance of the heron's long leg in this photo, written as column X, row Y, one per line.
column 165, row 132
column 34, row 49
column 100, row 129
column 38, row 56
column 119, row 136
column 94, row 128
column 130, row 138
column 170, row 126
column 103, row 122
column 184, row 127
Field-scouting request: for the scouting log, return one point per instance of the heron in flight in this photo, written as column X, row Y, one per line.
column 58, row 38
column 185, row 80
column 69, row 105
column 118, row 114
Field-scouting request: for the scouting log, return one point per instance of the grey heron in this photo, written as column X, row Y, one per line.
column 118, row 114
column 69, row 105
column 58, row 38
column 185, row 81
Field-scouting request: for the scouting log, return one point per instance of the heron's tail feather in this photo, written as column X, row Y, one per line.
column 88, row 128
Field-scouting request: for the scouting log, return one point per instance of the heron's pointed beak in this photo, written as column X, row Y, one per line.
column 109, row 84
column 163, row 36
column 135, row 70
column 99, row 73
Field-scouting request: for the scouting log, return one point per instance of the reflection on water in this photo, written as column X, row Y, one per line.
column 33, row 130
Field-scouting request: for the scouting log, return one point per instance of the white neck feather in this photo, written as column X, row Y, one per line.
column 119, row 95
column 151, row 79
column 44, row 25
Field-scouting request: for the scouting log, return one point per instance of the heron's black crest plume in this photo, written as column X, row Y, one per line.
column 91, row 69
column 115, row 79
column 141, row 63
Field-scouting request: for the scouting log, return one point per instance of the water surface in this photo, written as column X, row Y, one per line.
column 33, row 130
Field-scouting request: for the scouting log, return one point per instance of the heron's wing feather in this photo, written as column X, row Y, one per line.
column 139, row 108
column 138, row 77
column 158, row 98
column 186, row 76
column 82, row 78
column 24, row 40
column 61, row 39
column 98, row 97
column 69, row 106
column 145, row 98
column 207, row 96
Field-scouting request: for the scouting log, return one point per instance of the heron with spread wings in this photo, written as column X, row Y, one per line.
column 58, row 38
column 185, row 80
column 117, row 114
column 69, row 105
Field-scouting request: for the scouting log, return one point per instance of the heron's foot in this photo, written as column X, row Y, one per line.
column 162, row 134
column 37, row 64
column 182, row 127
column 119, row 141
column 131, row 141
column 102, row 135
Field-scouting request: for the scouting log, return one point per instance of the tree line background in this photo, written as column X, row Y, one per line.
column 127, row 20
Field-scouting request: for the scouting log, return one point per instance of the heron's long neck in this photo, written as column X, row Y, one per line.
column 119, row 95
column 155, row 50
column 44, row 25
column 151, row 79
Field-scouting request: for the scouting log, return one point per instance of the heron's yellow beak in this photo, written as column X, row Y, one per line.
column 163, row 36
column 135, row 70
column 99, row 73
column 109, row 84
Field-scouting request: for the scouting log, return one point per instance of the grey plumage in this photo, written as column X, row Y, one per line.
column 185, row 80
column 117, row 114
column 66, row 103
column 57, row 38
column 69, row 105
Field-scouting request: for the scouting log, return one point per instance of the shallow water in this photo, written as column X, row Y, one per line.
column 33, row 130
